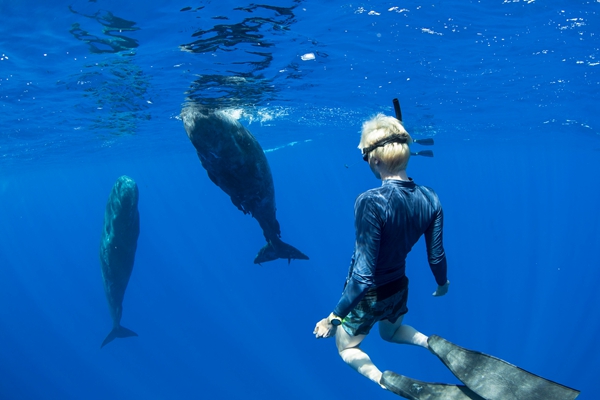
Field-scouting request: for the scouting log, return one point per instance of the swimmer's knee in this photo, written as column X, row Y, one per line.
column 386, row 332
column 386, row 336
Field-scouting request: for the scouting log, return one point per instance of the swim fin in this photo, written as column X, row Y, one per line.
column 424, row 153
column 417, row 390
column 496, row 379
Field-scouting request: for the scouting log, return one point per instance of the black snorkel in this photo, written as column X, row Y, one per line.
column 424, row 142
column 397, row 110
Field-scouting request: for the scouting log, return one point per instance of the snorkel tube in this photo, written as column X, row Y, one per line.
column 397, row 110
column 424, row 142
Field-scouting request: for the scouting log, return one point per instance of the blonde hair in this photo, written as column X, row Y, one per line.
column 394, row 155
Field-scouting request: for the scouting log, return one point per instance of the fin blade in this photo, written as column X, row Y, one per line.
column 418, row 390
column 424, row 142
column 424, row 153
column 493, row 378
column 118, row 332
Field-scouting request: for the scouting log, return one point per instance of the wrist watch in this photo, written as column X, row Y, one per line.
column 336, row 321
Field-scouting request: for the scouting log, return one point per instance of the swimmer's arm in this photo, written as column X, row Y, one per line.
column 325, row 328
column 435, row 249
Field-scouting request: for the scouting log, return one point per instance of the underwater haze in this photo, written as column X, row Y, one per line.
column 93, row 90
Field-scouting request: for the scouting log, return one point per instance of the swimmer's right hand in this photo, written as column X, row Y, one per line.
column 442, row 290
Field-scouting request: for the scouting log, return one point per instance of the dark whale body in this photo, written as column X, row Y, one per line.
column 117, row 249
column 235, row 161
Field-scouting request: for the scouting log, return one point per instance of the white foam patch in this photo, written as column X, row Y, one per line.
column 262, row 115
column 235, row 113
column 430, row 31
column 290, row 144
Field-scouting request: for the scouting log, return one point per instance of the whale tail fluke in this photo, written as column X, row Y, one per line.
column 275, row 249
column 118, row 332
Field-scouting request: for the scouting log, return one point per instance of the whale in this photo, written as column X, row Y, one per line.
column 117, row 250
column 236, row 163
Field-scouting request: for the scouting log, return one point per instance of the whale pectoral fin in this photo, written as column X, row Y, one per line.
column 118, row 332
column 275, row 249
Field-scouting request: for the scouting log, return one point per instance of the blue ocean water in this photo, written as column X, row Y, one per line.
column 92, row 90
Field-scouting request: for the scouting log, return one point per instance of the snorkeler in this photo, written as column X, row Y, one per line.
column 389, row 220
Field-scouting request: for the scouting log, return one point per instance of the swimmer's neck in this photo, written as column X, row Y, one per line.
column 401, row 176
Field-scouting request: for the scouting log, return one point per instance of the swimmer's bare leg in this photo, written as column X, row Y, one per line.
column 402, row 334
column 349, row 350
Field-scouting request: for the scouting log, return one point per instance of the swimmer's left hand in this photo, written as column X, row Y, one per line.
column 324, row 329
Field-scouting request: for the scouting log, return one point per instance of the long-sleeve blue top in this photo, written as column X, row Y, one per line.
column 389, row 220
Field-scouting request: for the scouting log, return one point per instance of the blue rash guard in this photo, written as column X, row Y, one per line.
column 389, row 220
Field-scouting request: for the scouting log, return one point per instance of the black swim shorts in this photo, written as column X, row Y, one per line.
column 378, row 304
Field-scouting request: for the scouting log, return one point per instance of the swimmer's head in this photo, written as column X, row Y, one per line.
column 386, row 139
